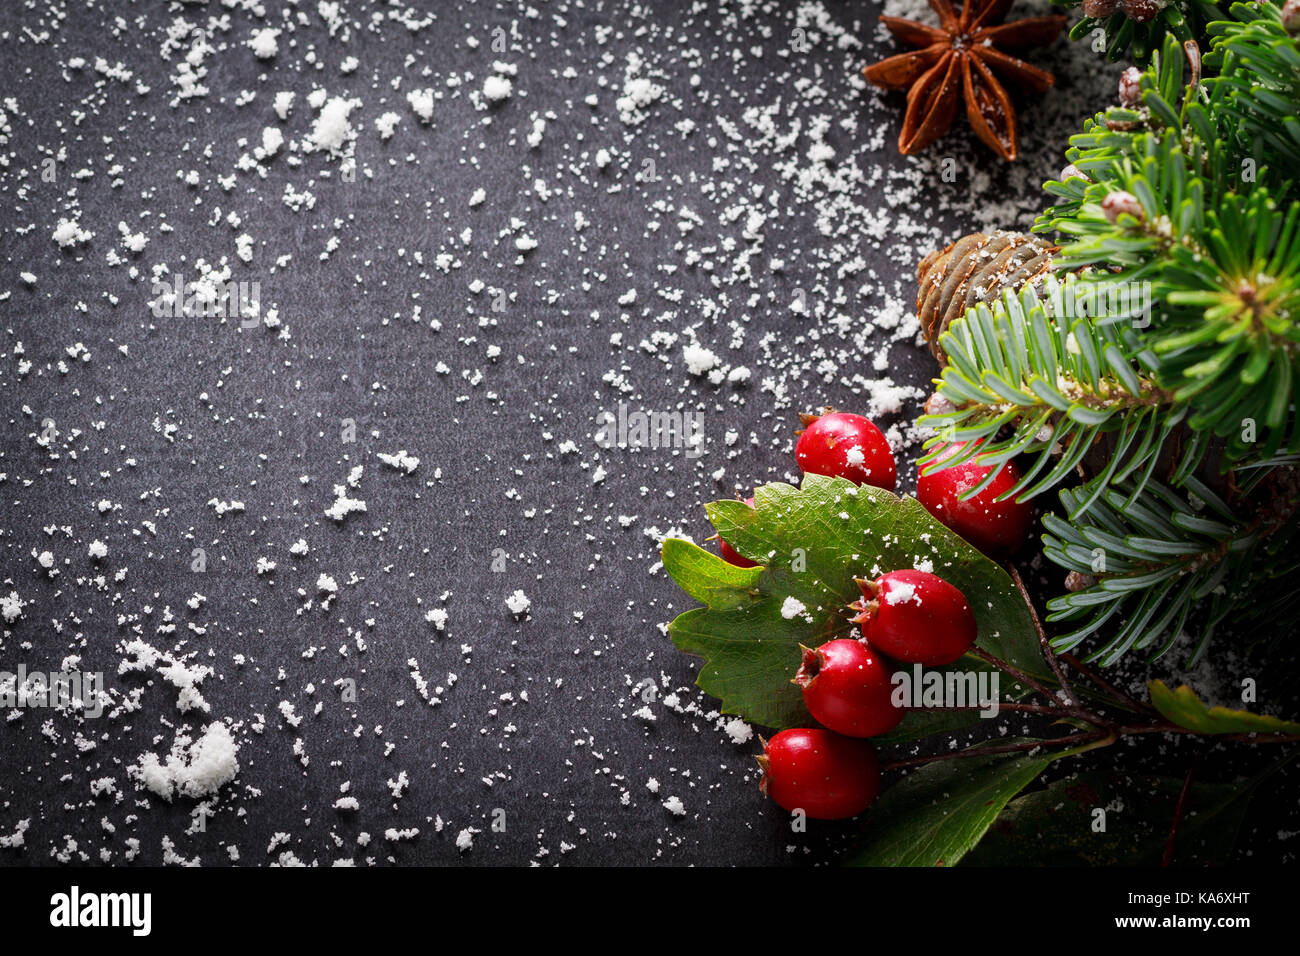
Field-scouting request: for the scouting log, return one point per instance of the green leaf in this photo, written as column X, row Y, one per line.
column 706, row 577
column 937, row 813
column 813, row 541
column 1185, row 709
column 1058, row 826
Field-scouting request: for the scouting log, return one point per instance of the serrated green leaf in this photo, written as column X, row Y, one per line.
column 813, row 541
column 749, row 662
column 1185, row 709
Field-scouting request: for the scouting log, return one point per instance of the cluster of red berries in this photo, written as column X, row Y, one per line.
column 843, row 445
column 906, row 616
column 831, row 772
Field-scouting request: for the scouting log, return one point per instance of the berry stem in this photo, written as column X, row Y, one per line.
column 1003, row 705
column 1122, row 699
column 1165, row 727
column 1117, row 696
column 1019, row 676
column 1069, row 740
column 1104, row 736
column 1042, row 634
column 1180, row 810
column 1055, row 703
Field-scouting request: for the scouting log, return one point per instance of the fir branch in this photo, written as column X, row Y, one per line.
column 1045, row 380
column 1158, row 562
column 1258, row 64
column 1180, row 20
column 1189, row 194
column 1227, row 278
column 1213, row 234
column 1235, row 128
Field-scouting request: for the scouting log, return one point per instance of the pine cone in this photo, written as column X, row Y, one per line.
column 975, row 269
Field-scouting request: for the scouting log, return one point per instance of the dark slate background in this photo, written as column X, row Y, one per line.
column 254, row 414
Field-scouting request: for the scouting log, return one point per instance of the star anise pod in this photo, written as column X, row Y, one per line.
column 965, row 56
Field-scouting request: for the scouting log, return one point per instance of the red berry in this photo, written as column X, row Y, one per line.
column 915, row 617
column 998, row 528
column 846, row 687
column 846, row 446
column 731, row 555
column 827, row 776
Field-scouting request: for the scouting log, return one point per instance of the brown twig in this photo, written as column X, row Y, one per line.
column 1120, row 697
column 1042, row 634
column 1072, row 739
column 1018, row 675
column 1166, row 727
column 1109, row 733
column 1001, row 705
column 1180, row 810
